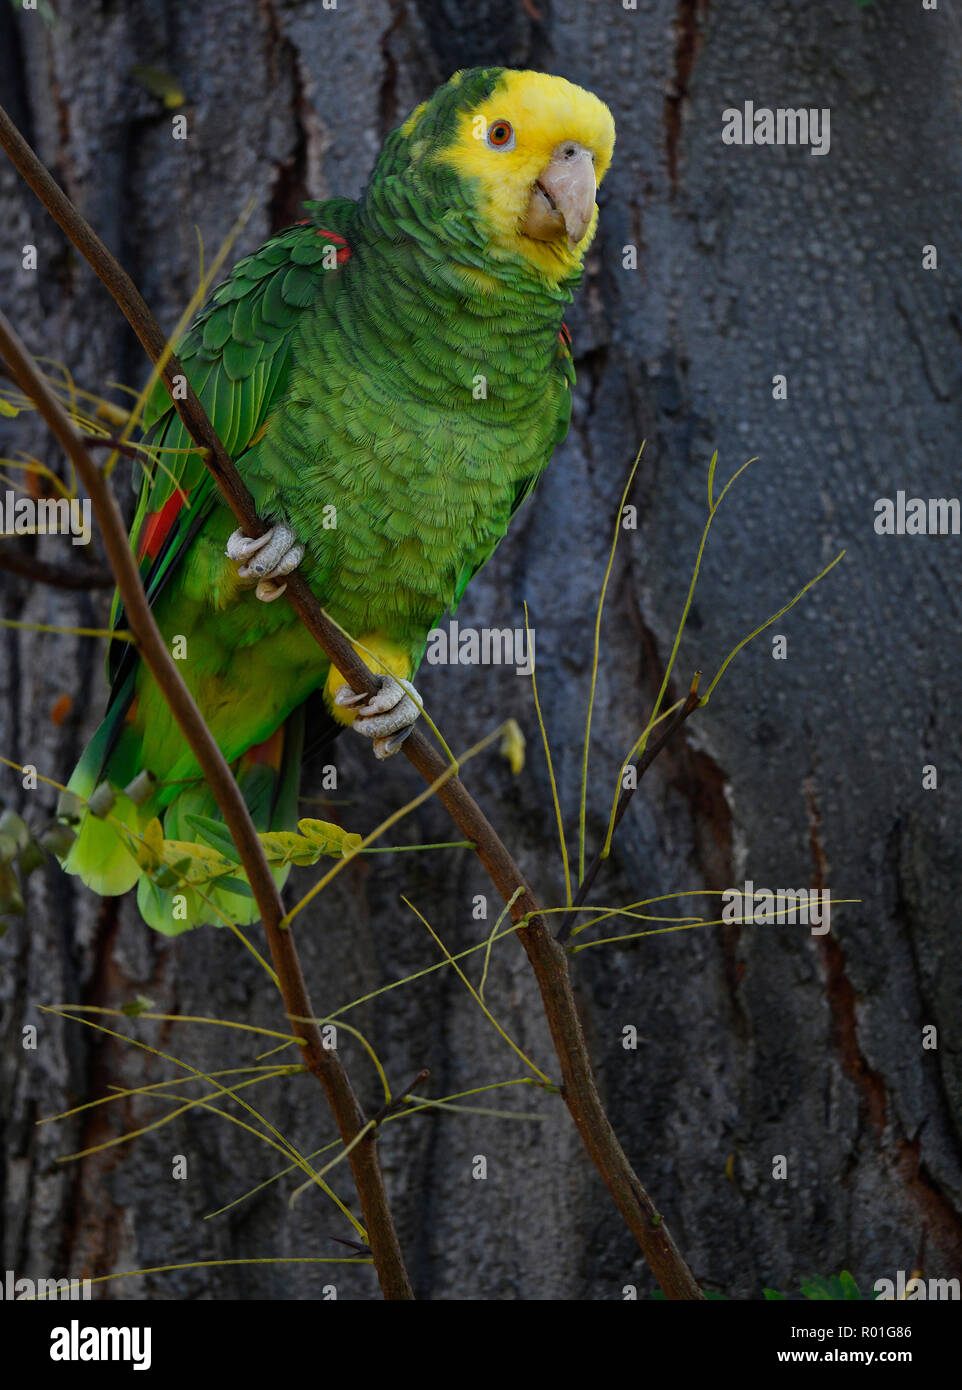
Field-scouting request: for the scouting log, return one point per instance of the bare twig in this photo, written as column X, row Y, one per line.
column 116, row 446
column 325, row 1064
column 548, row 959
column 58, row 576
column 392, row 1106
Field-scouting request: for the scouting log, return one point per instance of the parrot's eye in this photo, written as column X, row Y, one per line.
column 501, row 135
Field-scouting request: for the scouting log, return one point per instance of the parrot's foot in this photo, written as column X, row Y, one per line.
column 277, row 552
column 387, row 717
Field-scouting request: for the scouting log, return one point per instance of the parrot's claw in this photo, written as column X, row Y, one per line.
column 387, row 717
column 387, row 747
column 240, row 547
column 267, row 591
column 277, row 551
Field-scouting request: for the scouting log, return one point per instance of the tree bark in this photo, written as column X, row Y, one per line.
column 755, row 1041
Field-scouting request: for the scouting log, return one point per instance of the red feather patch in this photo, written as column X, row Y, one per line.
column 268, row 753
column 344, row 254
column 157, row 526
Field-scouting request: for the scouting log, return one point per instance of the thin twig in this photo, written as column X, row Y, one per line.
column 548, row 959
column 392, row 1106
column 325, row 1064
column 58, row 576
column 692, row 701
column 116, row 446
column 352, row 1244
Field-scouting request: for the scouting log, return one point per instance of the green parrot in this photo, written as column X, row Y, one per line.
column 391, row 377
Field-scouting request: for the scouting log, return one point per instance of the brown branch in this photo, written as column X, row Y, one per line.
column 325, row 1064
column 117, row 446
column 548, row 960
column 58, row 576
column 692, row 701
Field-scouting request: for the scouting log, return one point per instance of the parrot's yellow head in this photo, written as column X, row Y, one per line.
column 527, row 152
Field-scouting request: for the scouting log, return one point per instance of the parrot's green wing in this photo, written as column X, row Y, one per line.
column 236, row 355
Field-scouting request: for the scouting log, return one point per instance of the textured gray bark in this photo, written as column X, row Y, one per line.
column 756, row 1041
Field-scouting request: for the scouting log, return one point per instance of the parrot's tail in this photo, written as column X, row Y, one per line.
column 110, row 852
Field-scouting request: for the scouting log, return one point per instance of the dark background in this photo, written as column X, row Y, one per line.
column 754, row 1041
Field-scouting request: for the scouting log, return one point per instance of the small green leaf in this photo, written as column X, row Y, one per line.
column 159, row 84
column 512, row 746
column 14, row 831
column 850, row 1289
column 215, row 833
column 329, row 838
column 58, row 839
column 11, row 899
column 138, row 1005
column 150, row 851
column 837, row 1289
column 240, row 886
column 31, row 857
column 284, row 847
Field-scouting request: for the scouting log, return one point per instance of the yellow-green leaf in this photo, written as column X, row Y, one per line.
column 513, row 745
column 329, row 838
column 196, row 864
column 150, row 850
column 284, row 847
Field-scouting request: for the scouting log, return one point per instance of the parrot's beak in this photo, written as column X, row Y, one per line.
column 563, row 197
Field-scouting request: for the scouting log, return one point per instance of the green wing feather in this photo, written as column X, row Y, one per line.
column 236, row 355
